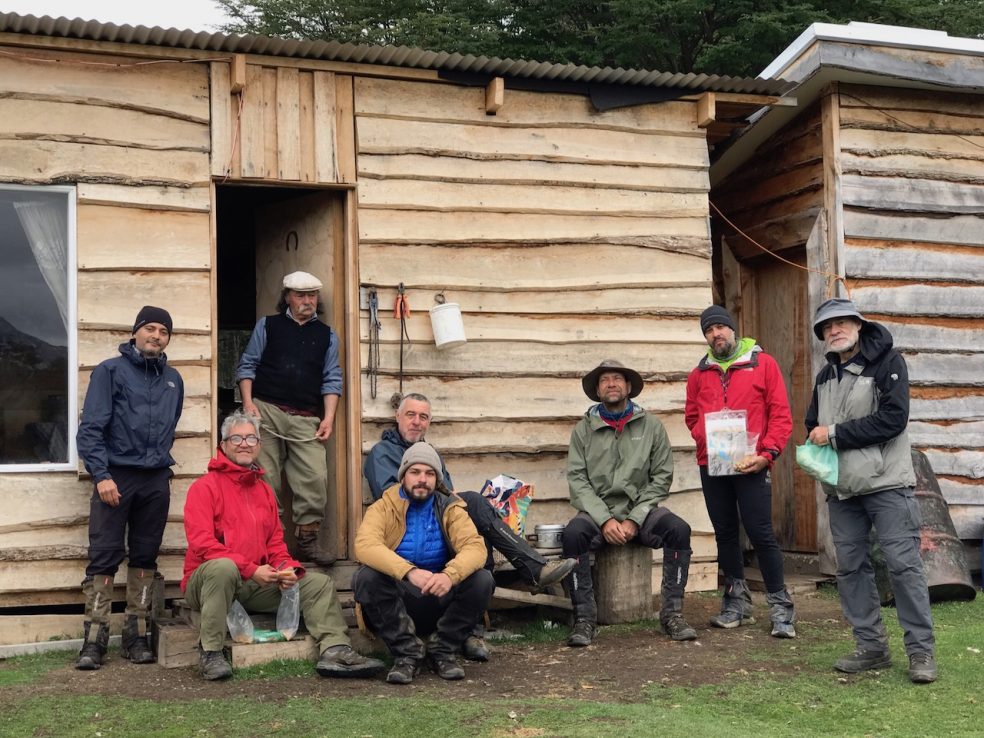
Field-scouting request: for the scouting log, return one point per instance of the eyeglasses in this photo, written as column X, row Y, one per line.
column 238, row 440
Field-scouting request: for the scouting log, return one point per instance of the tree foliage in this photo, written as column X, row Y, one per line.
column 737, row 37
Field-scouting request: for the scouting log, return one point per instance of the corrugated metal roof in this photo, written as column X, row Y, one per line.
column 397, row 56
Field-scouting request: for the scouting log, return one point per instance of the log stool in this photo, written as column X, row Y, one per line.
column 623, row 583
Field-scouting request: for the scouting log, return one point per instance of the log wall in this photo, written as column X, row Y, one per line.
column 135, row 140
column 566, row 235
column 914, row 256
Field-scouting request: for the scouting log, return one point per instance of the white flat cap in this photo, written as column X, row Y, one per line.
column 301, row 282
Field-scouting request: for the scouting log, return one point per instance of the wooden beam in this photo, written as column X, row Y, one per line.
column 495, row 93
column 833, row 199
column 706, row 112
column 237, row 74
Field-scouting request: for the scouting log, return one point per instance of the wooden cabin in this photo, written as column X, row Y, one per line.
column 193, row 170
column 874, row 177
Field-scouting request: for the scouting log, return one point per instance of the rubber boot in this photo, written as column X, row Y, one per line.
column 581, row 588
column 782, row 614
column 676, row 569
column 736, row 606
column 307, row 545
column 98, row 591
column 139, row 606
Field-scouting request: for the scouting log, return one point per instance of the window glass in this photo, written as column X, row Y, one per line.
column 36, row 311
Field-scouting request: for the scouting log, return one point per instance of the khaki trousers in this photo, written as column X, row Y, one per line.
column 215, row 584
column 304, row 462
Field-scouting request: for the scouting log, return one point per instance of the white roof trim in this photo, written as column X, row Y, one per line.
column 871, row 33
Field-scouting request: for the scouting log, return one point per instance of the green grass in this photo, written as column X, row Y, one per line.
column 806, row 699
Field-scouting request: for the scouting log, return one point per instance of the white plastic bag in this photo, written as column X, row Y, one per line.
column 239, row 624
column 289, row 612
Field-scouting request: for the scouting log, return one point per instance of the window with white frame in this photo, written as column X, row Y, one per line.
column 38, row 376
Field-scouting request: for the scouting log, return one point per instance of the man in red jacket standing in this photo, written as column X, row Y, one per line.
column 738, row 375
column 236, row 551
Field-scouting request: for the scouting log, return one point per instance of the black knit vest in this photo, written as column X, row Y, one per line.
column 292, row 365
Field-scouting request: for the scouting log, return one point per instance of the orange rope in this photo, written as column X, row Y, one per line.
column 832, row 278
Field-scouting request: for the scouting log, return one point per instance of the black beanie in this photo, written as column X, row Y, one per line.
column 151, row 314
column 716, row 314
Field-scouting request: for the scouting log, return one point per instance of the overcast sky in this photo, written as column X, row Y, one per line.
column 199, row 15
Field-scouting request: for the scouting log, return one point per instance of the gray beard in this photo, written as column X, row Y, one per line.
column 726, row 352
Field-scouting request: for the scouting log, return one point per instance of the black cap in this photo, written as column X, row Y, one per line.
column 716, row 315
column 151, row 314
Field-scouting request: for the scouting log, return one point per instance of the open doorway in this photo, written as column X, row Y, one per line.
column 263, row 233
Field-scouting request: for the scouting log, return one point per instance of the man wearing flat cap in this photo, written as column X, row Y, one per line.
column 737, row 374
column 290, row 378
column 125, row 436
column 860, row 407
column 619, row 467
column 423, row 574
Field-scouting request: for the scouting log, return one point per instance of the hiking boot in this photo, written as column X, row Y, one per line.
column 446, row 667
column 731, row 619
column 474, row 649
column 135, row 647
column 582, row 634
column 862, row 660
column 307, row 545
column 554, row 571
column 213, row 665
column 403, row 671
column 782, row 614
column 922, row 668
column 94, row 646
column 678, row 629
column 345, row 661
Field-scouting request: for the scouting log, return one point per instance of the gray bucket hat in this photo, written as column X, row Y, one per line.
column 590, row 381
column 837, row 307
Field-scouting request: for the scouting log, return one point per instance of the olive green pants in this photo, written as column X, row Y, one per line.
column 215, row 584
column 305, row 462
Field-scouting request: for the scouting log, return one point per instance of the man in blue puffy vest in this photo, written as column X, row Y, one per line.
column 290, row 378
column 131, row 409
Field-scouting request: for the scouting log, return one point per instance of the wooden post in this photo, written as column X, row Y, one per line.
column 624, row 583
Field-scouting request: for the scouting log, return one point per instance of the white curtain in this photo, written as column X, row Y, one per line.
column 46, row 226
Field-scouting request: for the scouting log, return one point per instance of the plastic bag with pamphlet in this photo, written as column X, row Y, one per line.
column 289, row 612
column 511, row 498
column 728, row 441
column 820, row 462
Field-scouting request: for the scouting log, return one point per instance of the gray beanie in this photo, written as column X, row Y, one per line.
column 715, row 315
column 837, row 307
column 421, row 453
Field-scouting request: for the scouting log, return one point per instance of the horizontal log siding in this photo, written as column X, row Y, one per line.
column 776, row 197
column 136, row 142
column 914, row 233
column 566, row 235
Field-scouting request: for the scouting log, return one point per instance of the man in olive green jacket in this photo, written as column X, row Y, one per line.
column 619, row 467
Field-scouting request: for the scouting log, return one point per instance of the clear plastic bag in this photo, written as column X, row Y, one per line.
column 289, row 612
column 820, row 462
column 240, row 626
column 728, row 441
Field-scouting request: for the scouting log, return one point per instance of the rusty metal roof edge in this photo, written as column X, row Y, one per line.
column 399, row 56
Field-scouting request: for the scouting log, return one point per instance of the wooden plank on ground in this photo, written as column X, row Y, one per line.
column 528, row 598
column 251, row 654
column 16, row 629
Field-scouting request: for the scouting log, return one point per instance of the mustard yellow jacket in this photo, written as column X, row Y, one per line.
column 385, row 524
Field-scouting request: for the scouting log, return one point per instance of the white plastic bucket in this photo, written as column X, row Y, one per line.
column 449, row 330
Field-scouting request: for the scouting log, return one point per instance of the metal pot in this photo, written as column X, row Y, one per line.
column 548, row 536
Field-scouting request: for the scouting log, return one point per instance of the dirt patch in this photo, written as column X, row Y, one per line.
column 618, row 667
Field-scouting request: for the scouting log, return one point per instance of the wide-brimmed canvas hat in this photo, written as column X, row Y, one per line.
column 590, row 381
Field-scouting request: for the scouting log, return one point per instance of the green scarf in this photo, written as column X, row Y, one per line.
column 744, row 346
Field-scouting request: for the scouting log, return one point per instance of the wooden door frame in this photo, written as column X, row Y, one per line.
column 345, row 307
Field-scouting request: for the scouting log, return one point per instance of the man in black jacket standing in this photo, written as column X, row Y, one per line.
column 860, row 407
column 130, row 413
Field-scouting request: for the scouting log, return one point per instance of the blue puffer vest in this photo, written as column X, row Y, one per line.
column 423, row 544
